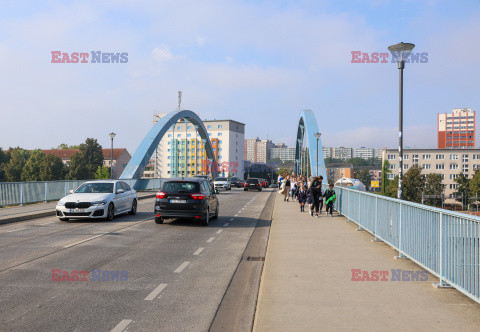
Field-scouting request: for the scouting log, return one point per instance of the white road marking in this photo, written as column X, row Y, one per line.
column 226, row 224
column 219, row 231
column 90, row 238
column 232, row 219
column 181, row 267
column 211, row 239
column 122, row 325
column 19, row 229
column 155, row 292
column 199, row 250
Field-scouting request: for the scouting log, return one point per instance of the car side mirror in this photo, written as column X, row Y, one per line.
column 71, row 191
column 120, row 191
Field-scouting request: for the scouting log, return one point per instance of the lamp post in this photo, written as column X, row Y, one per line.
column 112, row 135
column 317, row 136
column 400, row 52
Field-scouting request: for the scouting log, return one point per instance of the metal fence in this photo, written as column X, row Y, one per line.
column 17, row 193
column 446, row 243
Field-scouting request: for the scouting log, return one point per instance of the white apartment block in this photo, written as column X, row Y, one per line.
column 327, row 152
column 181, row 151
column 448, row 162
column 283, row 153
column 364, row 153
column 342, row 153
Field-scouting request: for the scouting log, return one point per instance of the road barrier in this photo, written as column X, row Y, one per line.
column 446, row 243
column 19, row 193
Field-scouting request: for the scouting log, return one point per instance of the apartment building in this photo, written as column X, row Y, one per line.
column 284, row 153
column 364, row 153
column 456, row 129
column 338, row 171
column 342, row 153
column 448, row 162
column 258, row 151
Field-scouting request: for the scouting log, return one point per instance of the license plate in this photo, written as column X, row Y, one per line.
column 77, row 210
column 182, row 201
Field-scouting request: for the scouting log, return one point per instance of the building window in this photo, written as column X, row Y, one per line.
column 465, row 158
column 391, row 166
column 405, row 157
column 426, row 157
column 189, row 135
column 390, row 176
column 453, row 185
column 465, row 168
column 440, row 157
column 405, row 166
column 453, row 166
column 219, row 134
column 209, row 134
column 168, row 157
column 209, row 127
column 415, row 158
column 453, row 156
column 178, row 135
column 426, row 166
column 189, row 127
column 178, row 128
column 440, row 166
column 391, row 157
column 169, row 135
column 219, row 141
column 220, row 126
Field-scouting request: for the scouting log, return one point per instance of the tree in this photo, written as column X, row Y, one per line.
column 85, row 163
column 64, row 146
column 433, row 186
column 463, row 193
column 3, row 162
column 391, row 190
column 102, row 173
column 32, row 168
column 475, row 184
column 77, row 169
column 52, row 168
column 385, row 181
column 413, row 184
column 364, row 176
column 18, row 159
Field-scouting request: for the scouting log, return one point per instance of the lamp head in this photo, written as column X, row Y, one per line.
column 400, row 52
column 112, row 135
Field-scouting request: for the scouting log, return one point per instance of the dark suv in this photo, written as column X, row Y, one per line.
column 186, row 198
column 236, row 182
column 253, row 183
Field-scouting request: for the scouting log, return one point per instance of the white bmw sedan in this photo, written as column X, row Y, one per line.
column 98, row 199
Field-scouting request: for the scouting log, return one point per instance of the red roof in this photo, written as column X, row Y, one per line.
column 68, row 153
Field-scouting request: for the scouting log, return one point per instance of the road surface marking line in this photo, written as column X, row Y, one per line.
column 232, row 219
column 122, row 325
column 90, row 238
column 16, row 230
column 219, row 231
column 199, row 250
column 181, row 267
column 211, row 239
column 226, row 224
column 155, row 292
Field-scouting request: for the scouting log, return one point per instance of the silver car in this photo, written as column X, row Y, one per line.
column 222, row 183
column 98, row 199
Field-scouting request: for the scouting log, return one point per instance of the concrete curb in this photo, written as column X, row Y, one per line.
column 42, row 214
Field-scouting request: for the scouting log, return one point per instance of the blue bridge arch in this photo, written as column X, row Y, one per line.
column 306, row 130
column 142, row 155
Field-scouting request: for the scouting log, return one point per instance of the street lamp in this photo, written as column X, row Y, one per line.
column 112, row 135
column 317, row 136
column 400, row 52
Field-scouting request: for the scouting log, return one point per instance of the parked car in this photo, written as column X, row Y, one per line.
column 206, row 177
column 187, row 198
column 222, row 183
column 263, row 182
column 236, row 182
column 252, row 183
column 98, row 199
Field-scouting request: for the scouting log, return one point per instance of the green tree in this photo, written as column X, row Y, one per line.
column 85, row 163
column 33, row 166
column 433, row 186
column 64, row 146
column 463, row 190
column 385, row 180
column 475, row 184
column 391, row 189
column 364, row 176
column 3, row 162
column 18, row 159
column 52, row 168
column 413, row 184
column 77, row 169
column 102, row 173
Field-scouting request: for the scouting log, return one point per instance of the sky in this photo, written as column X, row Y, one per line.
column 257, row 62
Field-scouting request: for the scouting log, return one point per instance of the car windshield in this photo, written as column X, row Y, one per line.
column 181, row 187
column 221, row 179
column 234, row 179
column 99, row 187
column 252, row 180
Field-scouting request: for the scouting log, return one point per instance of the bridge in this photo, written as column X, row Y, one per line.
column 307, row 273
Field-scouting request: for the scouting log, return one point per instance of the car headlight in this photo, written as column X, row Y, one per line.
column 99, row 203
column 59, row 203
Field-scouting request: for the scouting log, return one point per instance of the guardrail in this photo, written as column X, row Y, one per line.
column 18, row 193
column 446, row 243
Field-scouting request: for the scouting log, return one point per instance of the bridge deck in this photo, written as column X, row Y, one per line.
column 307, row 282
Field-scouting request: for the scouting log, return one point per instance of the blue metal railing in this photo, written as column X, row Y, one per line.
column 17, row 193
column 446, row 243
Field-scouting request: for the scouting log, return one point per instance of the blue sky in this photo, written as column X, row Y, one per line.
column 258, row 62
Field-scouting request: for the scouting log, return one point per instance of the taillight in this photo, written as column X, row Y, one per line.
column 161, row 195
column 198, row 197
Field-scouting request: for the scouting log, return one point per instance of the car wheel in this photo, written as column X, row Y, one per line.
column 245, row 189
column 110, row 212
column 158, row 220
column 259, row 189
column 215, row 217
column 206, row 220
column 134, row 207
column 63, row 219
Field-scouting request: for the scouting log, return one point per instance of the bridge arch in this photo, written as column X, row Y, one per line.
column 307, row 127
column 142, row 155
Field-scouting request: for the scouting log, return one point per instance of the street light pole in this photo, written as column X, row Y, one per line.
column 112, row 135
column 400, row 52
column 317, row 136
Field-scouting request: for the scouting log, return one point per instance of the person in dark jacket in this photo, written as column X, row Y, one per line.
column 316, row 192
column 330, row 198
column 302, row 197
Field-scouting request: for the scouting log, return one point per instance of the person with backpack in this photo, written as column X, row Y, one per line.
column 302, row 197
column 330, row 198
column 316, row 192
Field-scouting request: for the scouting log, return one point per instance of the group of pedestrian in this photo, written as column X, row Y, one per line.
column 307, row 191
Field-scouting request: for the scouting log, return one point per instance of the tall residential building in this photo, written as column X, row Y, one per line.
column 181, row 151
column 364, row 153
column 327, row 152
column 342, row 153
column 258, row 151
column 456, row 129
column 284, row 153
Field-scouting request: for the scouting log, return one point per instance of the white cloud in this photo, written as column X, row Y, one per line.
column 162, row 53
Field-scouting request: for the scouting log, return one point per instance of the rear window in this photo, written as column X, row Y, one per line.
column 221, row 179
column 252, row 180
column 181, row 187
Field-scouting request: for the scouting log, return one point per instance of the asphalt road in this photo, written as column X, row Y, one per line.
column 177, row 273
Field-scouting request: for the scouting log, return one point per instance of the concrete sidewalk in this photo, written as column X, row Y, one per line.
column 307, row 282
column 16, row 213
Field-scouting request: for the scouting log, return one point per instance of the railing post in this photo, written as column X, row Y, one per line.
column 376, row 239
column 441, row 281
column 360, row 228
column 46, row 189
column 21, row 193
column 400, row 225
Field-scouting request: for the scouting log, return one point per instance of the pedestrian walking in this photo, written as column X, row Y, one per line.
column 330, row 198
column 302, row 197
column 287, row 188
column 316, row 192
column 310, row 196
column 280, row 179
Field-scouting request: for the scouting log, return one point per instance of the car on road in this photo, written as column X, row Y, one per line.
column 98, row 199
column 252, row 183
column 263, row 182
column 189, row 197
column 222, row 183
column 206, row 177
column 236, row 182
